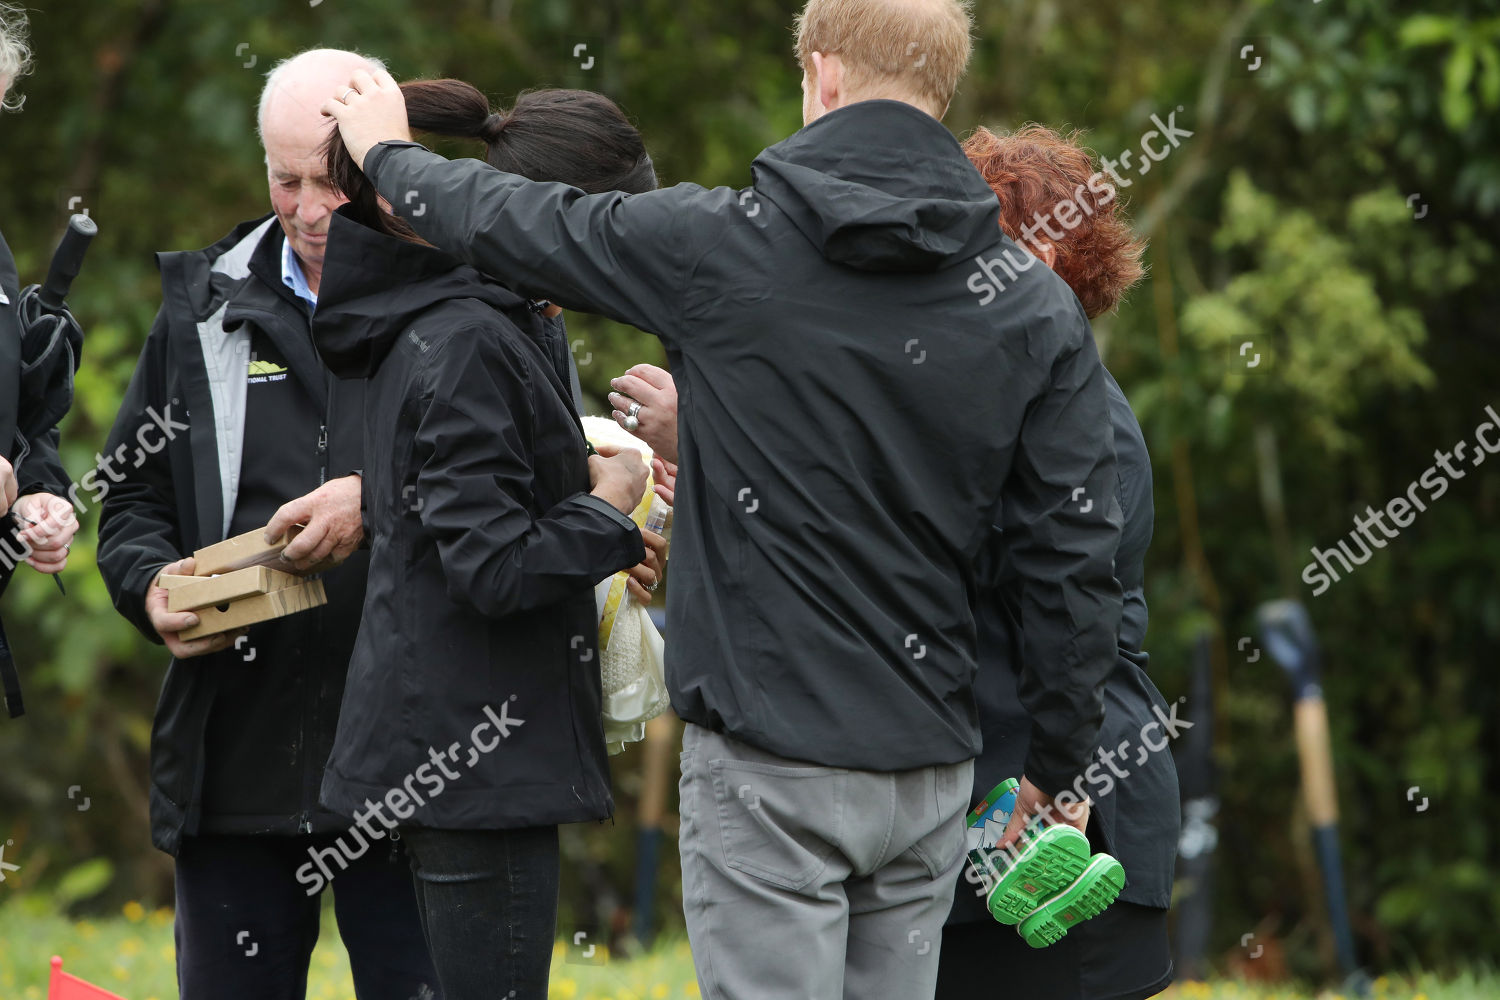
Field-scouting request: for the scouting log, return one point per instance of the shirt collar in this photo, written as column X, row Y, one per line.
column 291, row 274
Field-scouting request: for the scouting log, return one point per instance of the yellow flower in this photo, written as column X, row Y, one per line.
column 691, row 990
column 566, row 989
column 659, row 991
column 134, row 912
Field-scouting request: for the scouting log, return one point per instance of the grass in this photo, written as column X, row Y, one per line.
column 132, row 955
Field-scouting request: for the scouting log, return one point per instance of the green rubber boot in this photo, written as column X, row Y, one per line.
column 1085, row 898
column 1052, row 859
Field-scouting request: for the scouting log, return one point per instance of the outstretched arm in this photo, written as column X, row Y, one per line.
column 622, row 256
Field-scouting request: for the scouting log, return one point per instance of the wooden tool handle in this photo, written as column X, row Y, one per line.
column 1310, row 717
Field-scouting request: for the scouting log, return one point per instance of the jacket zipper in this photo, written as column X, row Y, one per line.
column 317, row 703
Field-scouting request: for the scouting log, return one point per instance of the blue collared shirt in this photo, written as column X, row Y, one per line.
column 291, row 273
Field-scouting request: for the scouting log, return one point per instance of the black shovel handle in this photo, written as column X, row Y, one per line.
column 66, row 262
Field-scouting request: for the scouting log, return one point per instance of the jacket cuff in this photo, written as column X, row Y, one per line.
column 1050, row 772
column 377, row 154
column 634, row 543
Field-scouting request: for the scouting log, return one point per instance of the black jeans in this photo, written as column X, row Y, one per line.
column 488, row 900
column 246, row 926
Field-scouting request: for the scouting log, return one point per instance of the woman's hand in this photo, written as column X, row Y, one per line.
column 618, row 476
column 664, row 475
column 654, row 390
column 645, row 577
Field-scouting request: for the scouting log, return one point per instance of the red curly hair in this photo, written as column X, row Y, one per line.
column 1034, row 171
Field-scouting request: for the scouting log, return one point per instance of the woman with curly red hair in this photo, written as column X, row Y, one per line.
column 1056, row 204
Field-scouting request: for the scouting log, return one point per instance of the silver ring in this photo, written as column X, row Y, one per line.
column 631, row 423
column 344, row 98
column 635, row 409
column 653, row 587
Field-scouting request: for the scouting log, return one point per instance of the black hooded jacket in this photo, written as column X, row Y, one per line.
column 855, row 401
column 485, row 546
column 1136, row 818
column 240, row 737
column 32, row 455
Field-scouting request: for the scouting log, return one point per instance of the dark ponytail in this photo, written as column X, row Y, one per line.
column 574, row 137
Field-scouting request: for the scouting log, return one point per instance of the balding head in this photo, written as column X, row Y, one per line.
column 292, row 131
column 295, row 89
column 914, row 51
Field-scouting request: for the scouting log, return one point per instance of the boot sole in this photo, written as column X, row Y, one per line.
column 1088, row 896
column 1053, row 861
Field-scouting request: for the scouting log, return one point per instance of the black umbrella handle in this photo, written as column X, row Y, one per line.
column 66, row 262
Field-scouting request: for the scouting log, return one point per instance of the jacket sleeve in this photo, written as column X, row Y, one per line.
column 139, row 531
column 621, row 256
column 43, row 472
column 475, row 491
column 1062, row 548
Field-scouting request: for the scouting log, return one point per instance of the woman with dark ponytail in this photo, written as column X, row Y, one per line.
column 470, row 725
column 574, row 137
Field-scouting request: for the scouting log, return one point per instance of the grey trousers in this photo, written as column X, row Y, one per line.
column 803, row 882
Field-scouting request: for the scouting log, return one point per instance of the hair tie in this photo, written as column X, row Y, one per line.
column 493, row 126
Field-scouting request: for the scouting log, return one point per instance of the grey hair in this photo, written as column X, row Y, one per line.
column 276, row 72
column 15, row 53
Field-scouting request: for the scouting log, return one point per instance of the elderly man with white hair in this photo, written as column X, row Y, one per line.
column 245, row 722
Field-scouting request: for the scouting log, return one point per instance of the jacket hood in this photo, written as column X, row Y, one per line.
column 374, row 285
column 881, row 186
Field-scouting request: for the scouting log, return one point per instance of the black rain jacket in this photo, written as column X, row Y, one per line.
column 30, row 449
column 170, row 489
column 852, row 410
column 1137, row 817
column 485, row 546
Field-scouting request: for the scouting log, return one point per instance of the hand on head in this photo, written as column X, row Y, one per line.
column 371, row 110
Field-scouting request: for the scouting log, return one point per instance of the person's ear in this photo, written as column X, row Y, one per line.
column 830, row 79
column 1046, row 252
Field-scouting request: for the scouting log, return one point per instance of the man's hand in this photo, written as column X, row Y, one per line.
column 48, row 525
column 333, row 528
column 645, row 576
column 618, row 476
column 169, row 623
column 654, row 389
column 8, row 486
column 1032, row 802
column 369, row 111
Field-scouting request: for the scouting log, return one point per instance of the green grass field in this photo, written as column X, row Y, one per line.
column 132, row 955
